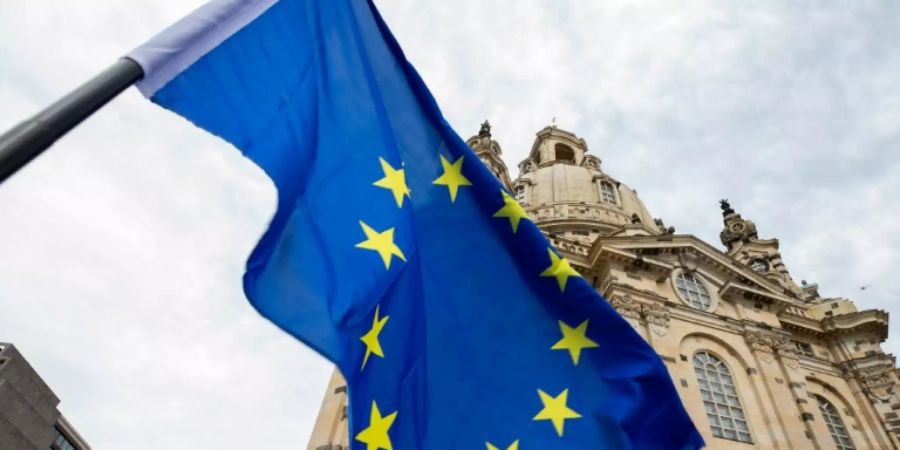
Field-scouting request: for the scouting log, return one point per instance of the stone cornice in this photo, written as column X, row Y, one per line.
column 590, row 215
column 705, row 251
column 628, row 289
column 800, row 322
column 706, row 320
column 744, row 291
column 574, row 250
column 617, row 254
column 874, row 320
column 820, row 365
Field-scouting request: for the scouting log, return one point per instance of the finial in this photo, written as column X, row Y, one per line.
column 726, row 207
column 553, row 122
column 635, row 218
column 485, row 129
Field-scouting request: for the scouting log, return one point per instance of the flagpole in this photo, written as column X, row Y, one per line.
column 30, row 138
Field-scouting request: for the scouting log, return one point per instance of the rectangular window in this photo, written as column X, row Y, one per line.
column 520, row 195
column 607, row 193
column 62, row 442
column 804, row 349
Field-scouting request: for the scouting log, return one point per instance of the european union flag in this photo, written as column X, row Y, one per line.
column 395, row 253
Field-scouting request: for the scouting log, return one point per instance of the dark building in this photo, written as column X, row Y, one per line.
column 29, row 418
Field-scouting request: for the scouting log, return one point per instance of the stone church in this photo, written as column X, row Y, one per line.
column 760, row 362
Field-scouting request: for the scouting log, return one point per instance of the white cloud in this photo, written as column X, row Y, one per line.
column 122, row 247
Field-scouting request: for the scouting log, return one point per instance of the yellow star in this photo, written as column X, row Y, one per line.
column 512, row 210
column 555, row 410
column 452, row 176
column 574, row 340
column 513, row 446
column 376, row 435
column 394, row 180
column 381, row 242
column 371, row 337
column 559, row 269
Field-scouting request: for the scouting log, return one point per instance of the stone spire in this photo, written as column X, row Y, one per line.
column 761, row 255
column 736, row 228
column 489, row 151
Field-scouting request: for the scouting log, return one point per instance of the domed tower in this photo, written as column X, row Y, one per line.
column 489, row 151
column 567, row 193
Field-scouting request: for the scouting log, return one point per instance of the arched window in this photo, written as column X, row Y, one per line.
column 720, row 399
column 564, row 153
column 835, row 425
column 607, row 193
column 693, row 291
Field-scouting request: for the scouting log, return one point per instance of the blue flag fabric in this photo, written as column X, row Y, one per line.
column 395, row 253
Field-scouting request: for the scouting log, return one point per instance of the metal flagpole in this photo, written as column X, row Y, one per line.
column 30, row 138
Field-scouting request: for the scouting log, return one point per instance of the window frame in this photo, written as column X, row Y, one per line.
column 804, row 348
column 698, row 280
column 62, row 441
column 611, row 193
column 730, row 401
column 520, row 195
column 838, row 430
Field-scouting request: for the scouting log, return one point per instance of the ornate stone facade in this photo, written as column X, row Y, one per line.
column 795, row 370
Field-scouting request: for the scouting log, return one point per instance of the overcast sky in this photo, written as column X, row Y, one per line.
column 122, row 248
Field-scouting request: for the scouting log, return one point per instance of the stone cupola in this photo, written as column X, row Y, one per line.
column 567, row 193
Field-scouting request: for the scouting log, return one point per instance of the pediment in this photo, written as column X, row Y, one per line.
column 662, row 253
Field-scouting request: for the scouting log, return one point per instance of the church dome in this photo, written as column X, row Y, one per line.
column 565, row 190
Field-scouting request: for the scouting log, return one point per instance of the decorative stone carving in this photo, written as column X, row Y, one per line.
column 736, row 228
column 626, row 306
column 877, row 381
column 767, row 345
column 592, row 162
column 629, row 309
column 657, row 317
column 788, row 353
column 760, row 344
column 527, row 166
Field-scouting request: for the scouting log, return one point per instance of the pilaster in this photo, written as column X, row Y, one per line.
column 873, row 381
column 784, row 419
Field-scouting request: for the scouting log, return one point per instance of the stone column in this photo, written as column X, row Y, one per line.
column 813, row 428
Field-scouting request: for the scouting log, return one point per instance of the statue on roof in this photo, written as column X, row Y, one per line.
column 485, row 129
column 726, row 207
